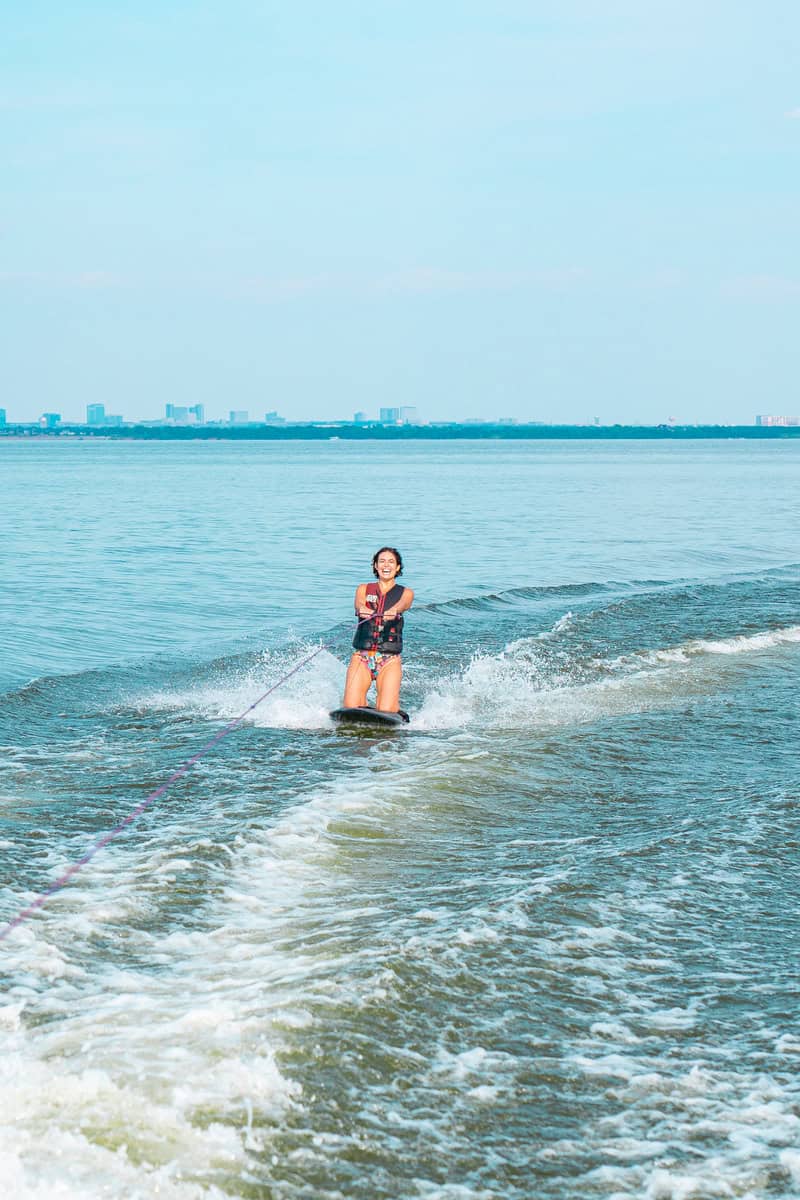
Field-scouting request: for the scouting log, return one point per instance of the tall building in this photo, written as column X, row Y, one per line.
column 272, row 418
column 239, row 416
column 95, row 414
column 50, row 420
column 360, row 418
column 198, row 411
column 178, row 413
column 408, row 415
column 390, row 416
column 2, row 417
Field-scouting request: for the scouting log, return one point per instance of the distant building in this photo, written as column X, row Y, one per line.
column 239, row 416
column 96, row 415
column 404, row 415
column 179, row 414
column 50, row 420
column 198, row 411
column 2, row 418
column 777, row 420
column 272, row 418
column 360, row 418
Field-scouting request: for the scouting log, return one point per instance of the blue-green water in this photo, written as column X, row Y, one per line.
column 541, row 944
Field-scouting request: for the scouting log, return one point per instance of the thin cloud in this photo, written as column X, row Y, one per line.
column 46, row 101
column 437, row 279
column 419, row 280
column 69, row 281
column 763, row 287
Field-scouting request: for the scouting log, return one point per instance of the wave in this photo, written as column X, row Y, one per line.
column 487, row 601
column 199, row 1056
column 579, row 590
column 163, row 1071
column 533, row 682
column 170, row 1066
column 105, row 677
column 522, row 687
column 302, row 702
column 744, row 643
column 586, row 645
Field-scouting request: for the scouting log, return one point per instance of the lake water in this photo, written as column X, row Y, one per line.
column 542, row 943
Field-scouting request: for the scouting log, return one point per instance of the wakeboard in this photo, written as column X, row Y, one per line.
column 369, row 716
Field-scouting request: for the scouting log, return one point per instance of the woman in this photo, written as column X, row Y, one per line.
column 378, row 640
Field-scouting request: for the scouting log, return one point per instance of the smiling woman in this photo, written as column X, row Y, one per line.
column 378, row 640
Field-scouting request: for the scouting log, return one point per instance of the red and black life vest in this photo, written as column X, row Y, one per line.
column 384, row 637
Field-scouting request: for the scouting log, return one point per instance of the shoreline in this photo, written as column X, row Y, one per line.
column 390, row 433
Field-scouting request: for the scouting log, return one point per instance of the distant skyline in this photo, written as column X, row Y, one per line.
column 542, row 212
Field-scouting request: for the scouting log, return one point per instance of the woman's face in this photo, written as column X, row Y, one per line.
column 386, row 566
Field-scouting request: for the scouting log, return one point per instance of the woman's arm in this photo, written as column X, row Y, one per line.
column 360, row 602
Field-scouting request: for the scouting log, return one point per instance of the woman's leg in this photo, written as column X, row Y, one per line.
column 356, row 684
column 389, row 679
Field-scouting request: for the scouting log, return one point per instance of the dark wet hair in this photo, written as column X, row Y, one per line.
column 384, row 550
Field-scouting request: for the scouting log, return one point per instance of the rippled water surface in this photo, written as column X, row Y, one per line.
column 540, row 944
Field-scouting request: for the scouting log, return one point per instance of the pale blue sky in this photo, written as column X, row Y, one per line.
column 547, row 211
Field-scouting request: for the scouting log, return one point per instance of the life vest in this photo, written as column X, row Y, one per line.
column 384, row 637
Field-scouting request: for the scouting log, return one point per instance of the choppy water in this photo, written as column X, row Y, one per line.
column 541, row 944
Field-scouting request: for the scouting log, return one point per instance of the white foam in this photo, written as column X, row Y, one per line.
column 48, row 1099
column 519, row 688
column 10, row 1015
column 751, row 643
column 492, row 686
column 562, row 625
column 745, row 1114
column 140, row 1057
column 137, row 1054
column 303, row 701
column 695, row 648
column 671, row 1019
column 468, row 1066
column 674, row 1185
column 790, row 1161
column 427, row 1190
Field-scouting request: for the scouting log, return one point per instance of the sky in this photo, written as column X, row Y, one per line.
column 552, row 212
